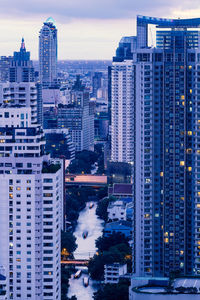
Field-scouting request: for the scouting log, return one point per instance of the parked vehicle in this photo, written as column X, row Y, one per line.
column 91, row 205
column 85, row 234
column 85, row 281
column 77, row 274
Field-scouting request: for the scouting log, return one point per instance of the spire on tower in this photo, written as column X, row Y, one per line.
column 23, row 44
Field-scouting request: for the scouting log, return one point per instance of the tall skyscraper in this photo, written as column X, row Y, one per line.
column 122, row 102
column 165, row 95
column 31, row 210
column 48, row 53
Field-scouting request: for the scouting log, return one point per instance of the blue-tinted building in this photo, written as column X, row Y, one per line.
column 167, row 152
column 163, row 86
column 121, row 226
column 48, row 53
column 21, row 67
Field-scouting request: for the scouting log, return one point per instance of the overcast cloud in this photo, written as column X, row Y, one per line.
column 95, row 9
column 86, row 28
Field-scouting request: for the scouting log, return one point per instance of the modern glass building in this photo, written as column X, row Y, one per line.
column 48, row 53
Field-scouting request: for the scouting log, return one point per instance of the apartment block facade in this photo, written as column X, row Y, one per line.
column 31, row 208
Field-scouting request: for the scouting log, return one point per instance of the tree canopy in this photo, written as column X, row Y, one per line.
column 104, row 243
column 118, row 291
column 68, row 241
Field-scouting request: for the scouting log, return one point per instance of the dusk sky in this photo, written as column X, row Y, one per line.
column 87, row 29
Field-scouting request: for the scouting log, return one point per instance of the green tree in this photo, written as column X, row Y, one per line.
column 102, row 207
column 65, row 275
column 104, row 243
column 116, row 253
column 118, row 291
column 68, row 241
column 102, row 192
column 83, row 162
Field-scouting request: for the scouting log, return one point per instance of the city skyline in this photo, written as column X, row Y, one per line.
column 89, row 32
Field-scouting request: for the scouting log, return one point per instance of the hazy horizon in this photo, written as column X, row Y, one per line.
column 85, row 32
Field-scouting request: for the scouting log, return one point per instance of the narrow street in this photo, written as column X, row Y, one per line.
column 87, row 222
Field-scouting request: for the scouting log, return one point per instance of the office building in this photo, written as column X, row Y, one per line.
column 31, row 208
column 78, row 117
column 21, row 67
column 21, row 89
column 5, row 67
column 77, row 120
column 48, row 53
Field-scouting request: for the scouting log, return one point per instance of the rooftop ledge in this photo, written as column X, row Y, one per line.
column 52, row 168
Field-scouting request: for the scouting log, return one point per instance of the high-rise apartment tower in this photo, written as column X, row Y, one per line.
column 48, row 53
column 162, row 102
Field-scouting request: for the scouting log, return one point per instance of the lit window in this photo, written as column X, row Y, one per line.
column 189, row 132
column 189, row 168
column 182, row 163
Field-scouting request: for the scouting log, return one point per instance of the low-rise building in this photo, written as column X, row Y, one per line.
column 120, row 190
column 113, row 272
column 116, row 211
column 122, row 226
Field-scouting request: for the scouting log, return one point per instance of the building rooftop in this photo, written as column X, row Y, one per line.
column 121, row 188
column 169, row 23
column 118, row 223
column 52, row 168
column 118, row 203
column 50, row 20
